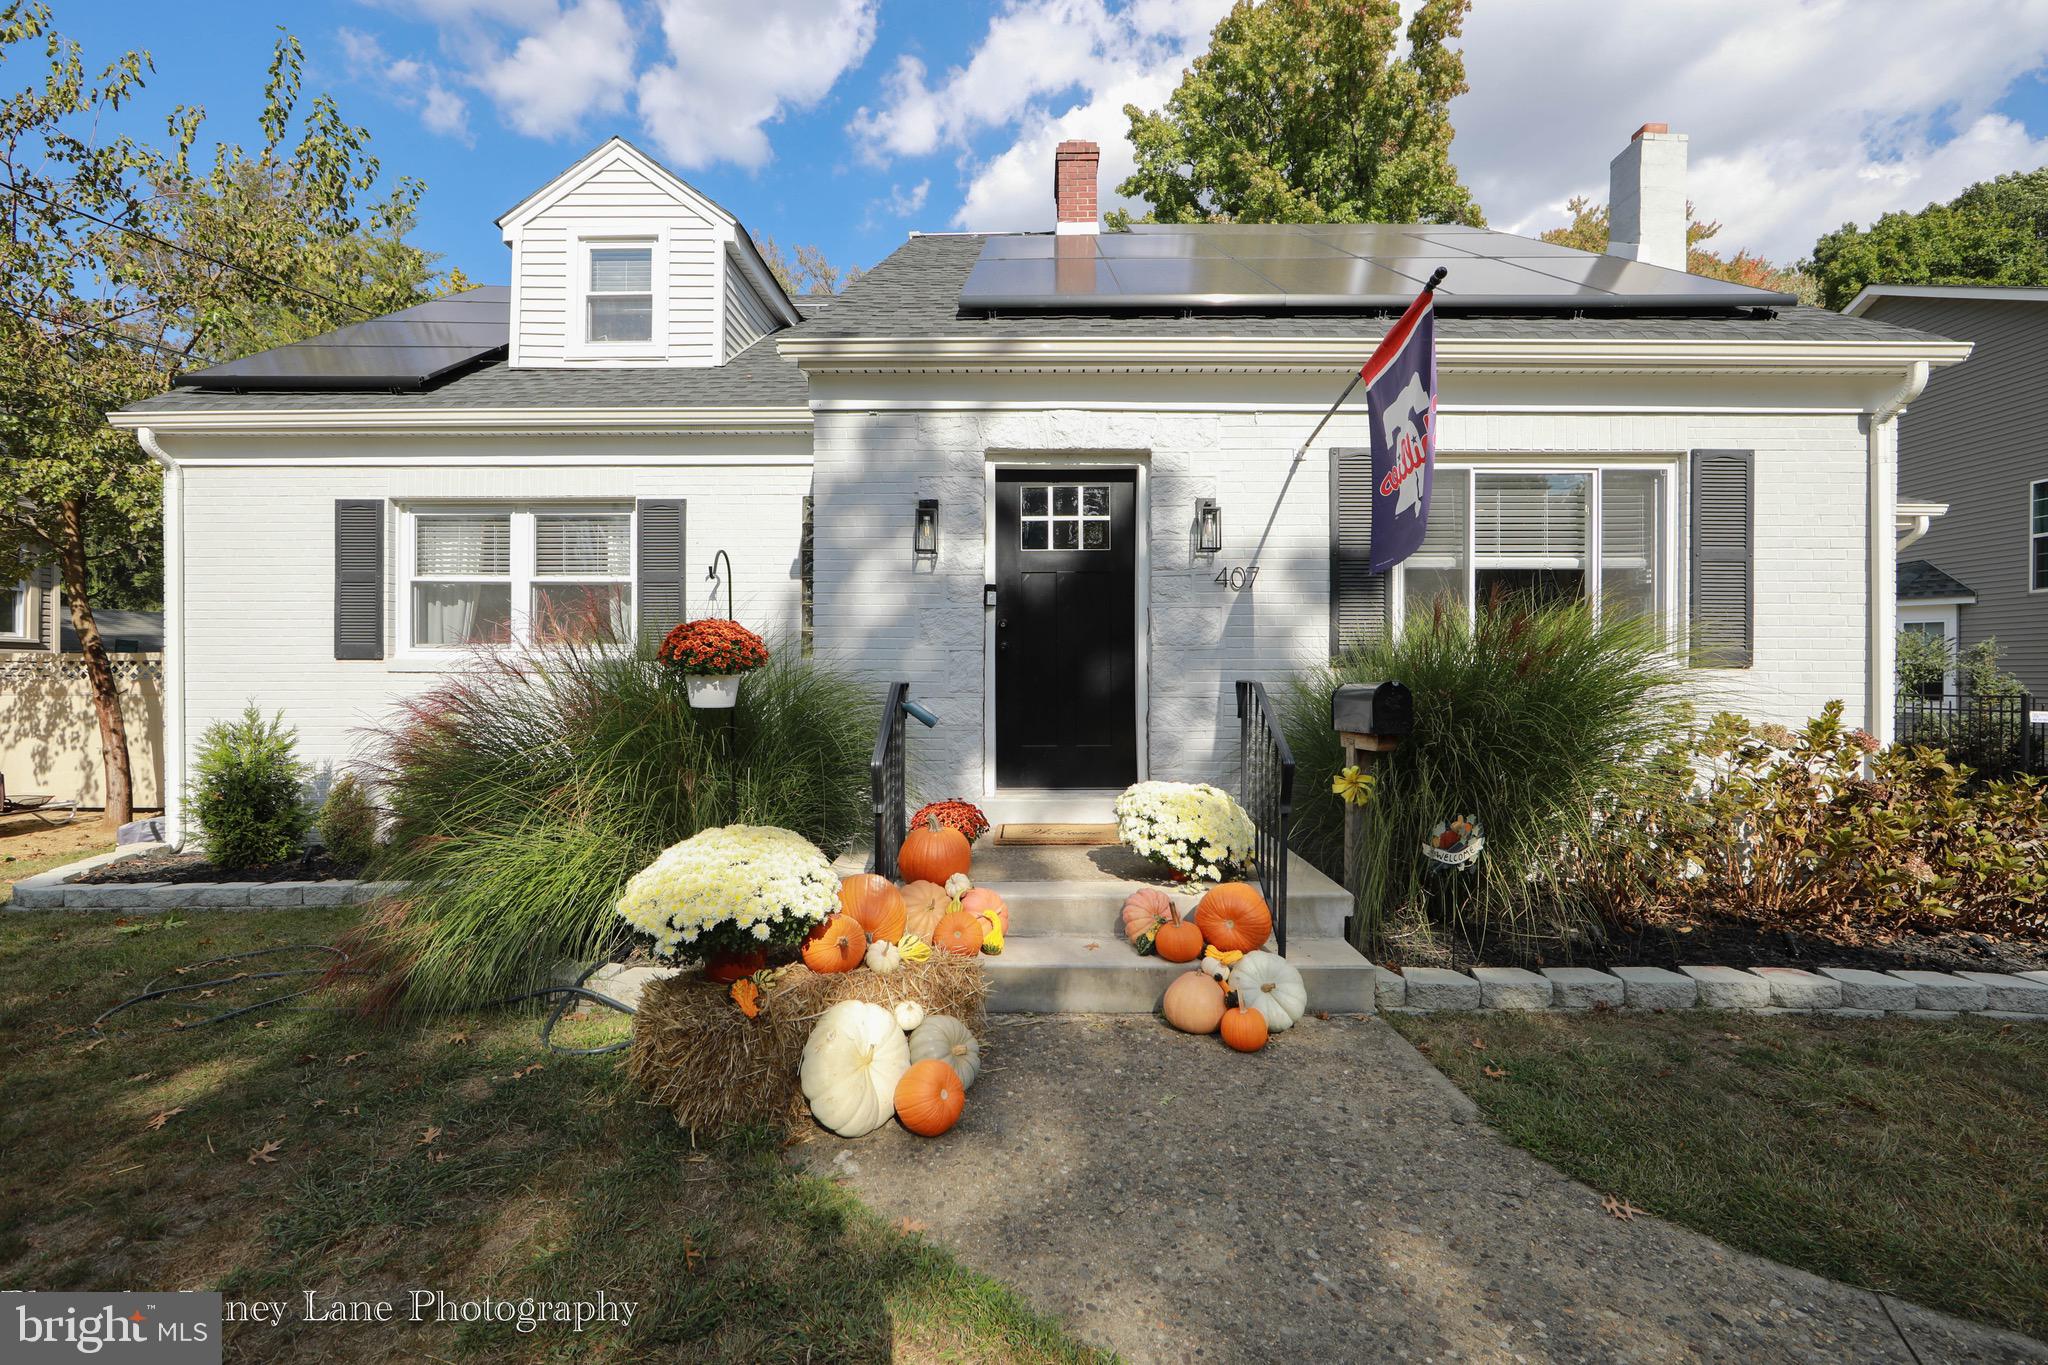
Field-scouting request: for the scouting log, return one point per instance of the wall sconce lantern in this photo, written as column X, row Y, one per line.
column 1208, row 526
column 924, row 534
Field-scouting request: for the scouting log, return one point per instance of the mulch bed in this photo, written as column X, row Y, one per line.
column 193, row 867
column 1723, row 943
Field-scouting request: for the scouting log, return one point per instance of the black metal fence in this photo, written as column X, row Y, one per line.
column 885, row 778
column 1266, row 767
column 1997, row 736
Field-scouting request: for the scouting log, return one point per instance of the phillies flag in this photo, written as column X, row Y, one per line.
column 1400, row 399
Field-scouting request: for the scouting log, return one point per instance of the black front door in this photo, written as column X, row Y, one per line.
column 1066, row 627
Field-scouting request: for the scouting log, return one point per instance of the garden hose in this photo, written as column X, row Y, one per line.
column 152, row 991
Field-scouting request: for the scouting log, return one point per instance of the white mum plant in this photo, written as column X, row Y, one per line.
column 1191, row 827
column 731, row 889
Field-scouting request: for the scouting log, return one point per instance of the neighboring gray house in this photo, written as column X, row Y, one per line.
column 1977, row 440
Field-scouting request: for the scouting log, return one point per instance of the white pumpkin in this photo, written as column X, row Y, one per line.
column 957, row 885
column 1272, row 985
column 884, row 956
column 909, row 1014
column 851, row 1064
column 946, row 1038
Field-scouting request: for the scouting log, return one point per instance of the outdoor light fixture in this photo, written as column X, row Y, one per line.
column 1208, row 526
column 924, row 535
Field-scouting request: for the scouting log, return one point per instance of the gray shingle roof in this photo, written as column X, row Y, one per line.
column 916, row 292
column 1920, row 579
column 756, row 377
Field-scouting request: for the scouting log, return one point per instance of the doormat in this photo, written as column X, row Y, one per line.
column 1076, row 836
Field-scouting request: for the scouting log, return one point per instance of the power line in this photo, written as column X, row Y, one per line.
column 27, row 313
column 169, row 245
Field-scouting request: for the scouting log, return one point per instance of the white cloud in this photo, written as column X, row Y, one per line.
column 903, row 203
column 1045, row 70
column 734, row 68
column 408, row 82
column 1800, row 116
column 576, row 63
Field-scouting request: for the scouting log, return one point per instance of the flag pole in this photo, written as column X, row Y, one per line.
column 1436, row 278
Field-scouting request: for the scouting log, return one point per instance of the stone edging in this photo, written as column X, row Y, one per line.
column 55, row 890
column 1851, row 991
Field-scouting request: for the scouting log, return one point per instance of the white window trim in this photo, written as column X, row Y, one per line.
column 1668, row 569
column 2034, row 488
column 654, row 236
column 522, row 578
column 28, row 617
column 1920, row 613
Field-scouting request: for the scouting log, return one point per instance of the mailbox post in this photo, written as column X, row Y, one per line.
column 1370, row 719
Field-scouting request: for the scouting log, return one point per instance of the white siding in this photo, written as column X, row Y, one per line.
column 747, row 318
column 879, row 612
column 259, row 546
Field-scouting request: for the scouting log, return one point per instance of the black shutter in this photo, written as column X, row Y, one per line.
column 1358, row 597
column 359, row 578
column 661, row 595
column 1723, row 558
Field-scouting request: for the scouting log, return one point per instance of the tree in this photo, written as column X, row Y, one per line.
column 806, row 271
column 1300, row 112
column 1994, row 232
column 1588, row 231
column 124, row 266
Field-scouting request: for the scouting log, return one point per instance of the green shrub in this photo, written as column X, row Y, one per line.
column 247, row 796
column 348, row 822
column 1530, row 718
column 524, row 792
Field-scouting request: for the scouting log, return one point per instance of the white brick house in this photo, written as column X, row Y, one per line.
column 643, row 397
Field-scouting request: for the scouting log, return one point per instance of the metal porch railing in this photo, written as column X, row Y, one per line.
column 1266, row 769
column 886, row 780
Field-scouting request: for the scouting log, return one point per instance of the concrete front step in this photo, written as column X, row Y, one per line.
column 1100, row 974
column 1081, row 891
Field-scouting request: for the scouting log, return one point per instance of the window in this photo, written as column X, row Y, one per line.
column 487, row 576
column 2037, row 539
column 1936, row 634
column 619, row 298
column 1064, row 516
column 1544, row 536
column 14, row 614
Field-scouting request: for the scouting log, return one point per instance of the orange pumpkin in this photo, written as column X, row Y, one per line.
column 982, row 901
column 930, row 1097
column 1234, row 917
column 1143, row 910
column 1244, row 1028
column 1193, row 1003
column 1178, row 940
column 837, row 945
column 874, row 902
column 959, row 932
column 923, row 903
column 934, row 853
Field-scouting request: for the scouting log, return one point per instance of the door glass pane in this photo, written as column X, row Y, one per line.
column 1631, row 542
column 1035, row 501
column 1438, row 569
column 579, row 545
column 621, row 269
column 461, row 613
column 1035, row 535
column 1064, row 517
column 466, row 546
column 1066, row 501
column 1095, row 535
column 579, row 611
column 622, row 317
column 1066, row 534
column 1095, row 500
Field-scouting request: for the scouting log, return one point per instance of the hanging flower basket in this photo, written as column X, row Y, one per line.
column 712, row 654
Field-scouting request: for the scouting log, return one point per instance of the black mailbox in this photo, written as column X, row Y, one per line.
column 1373, row 709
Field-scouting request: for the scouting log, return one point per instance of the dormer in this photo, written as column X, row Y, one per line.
column 618, row 261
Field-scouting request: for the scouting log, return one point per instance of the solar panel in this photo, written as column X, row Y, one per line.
column 409, row 349
column 1327, row 266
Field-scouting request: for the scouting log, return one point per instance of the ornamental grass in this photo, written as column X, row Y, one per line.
column 1534, row 719
column 525, row 790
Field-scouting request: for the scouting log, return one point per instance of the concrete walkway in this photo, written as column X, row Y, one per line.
column 1332, row 1200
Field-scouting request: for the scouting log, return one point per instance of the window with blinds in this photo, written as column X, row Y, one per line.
column 594, row 553
column 1529, row 536
column 500, row 576
column 1437, row 572
column 1631, row 542
column 619, row 299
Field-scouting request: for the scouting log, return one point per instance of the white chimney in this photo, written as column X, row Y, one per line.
column 1646, row 198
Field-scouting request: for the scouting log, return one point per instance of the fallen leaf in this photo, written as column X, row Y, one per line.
column 437, row 1157
column 353, row 1057
column 1494, row 1073
column 525, row 1071
column 203, row 995
column 163, row 1116
column 1323, row 1015
column 692, row 1257
column 1479, row 1045
column 262, row 1023
column 1620, row 1208
column 308, row 1059
column 1666, row 1074
column 140, row 1076
column 459, row 1038
column 910, row 1226
column 263, row 1153
column 427, row 1137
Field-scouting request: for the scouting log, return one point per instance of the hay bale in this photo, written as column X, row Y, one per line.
column 718, row 1070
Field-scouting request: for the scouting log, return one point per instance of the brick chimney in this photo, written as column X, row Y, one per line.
column 1646, row 198
column 1073, row 187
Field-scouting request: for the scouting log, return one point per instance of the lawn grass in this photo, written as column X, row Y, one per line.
column 1906, row 1156
column 430, row 1154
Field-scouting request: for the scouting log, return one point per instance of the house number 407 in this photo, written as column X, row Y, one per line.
column 1238, row 577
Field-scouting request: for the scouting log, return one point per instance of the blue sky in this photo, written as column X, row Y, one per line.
column 846, row 123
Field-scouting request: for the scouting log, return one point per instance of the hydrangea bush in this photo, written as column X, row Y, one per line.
column 1189, row 827
column 730, row 890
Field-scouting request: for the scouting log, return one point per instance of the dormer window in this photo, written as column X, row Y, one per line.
column 619, row 306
